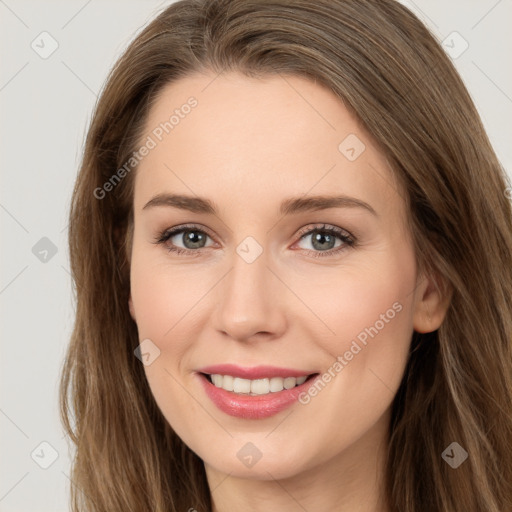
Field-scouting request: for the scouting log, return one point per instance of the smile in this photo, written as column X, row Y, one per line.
column 253, row 393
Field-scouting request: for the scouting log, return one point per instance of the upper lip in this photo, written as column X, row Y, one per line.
column 252, row 373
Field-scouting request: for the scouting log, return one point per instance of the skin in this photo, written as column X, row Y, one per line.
column 249, row 144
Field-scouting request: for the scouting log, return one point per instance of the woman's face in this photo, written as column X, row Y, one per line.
column 296, row 261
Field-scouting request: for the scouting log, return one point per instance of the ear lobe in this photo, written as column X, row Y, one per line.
column 131, row 308
column 433, row 298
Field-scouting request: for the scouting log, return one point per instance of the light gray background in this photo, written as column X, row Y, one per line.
column 45, row 108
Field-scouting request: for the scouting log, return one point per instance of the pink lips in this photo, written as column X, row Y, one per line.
column 252, row 407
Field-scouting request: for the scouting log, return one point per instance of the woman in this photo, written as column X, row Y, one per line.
column 291, row 250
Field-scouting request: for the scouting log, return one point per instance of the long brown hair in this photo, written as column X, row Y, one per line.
column 386, row 67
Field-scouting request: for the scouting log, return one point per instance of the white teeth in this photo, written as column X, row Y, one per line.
column 276, row 384
column 257, row 386
column 260, row 386
column 227, row 382
column 239, row 385
column 290, row 382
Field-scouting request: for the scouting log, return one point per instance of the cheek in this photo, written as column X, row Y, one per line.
column 165, row 297
column 165, row 300
column 375, row 333
column 363, row 299
column 370, row 314
column 376, row 305
column 169, row 301
column 368, row 309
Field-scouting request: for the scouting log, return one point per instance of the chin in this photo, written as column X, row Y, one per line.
column 267, row 462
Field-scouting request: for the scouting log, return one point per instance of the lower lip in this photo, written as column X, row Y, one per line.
column 253, row 407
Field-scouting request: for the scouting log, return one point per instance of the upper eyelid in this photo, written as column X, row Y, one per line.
column 180, row 228
column 327, row 227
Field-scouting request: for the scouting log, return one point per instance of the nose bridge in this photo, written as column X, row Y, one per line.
column 249, row 297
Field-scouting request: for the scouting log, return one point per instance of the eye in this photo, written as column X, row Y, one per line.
column 323, row 241
column 192, row 238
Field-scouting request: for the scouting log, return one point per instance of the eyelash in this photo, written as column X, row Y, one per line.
column 347, row 239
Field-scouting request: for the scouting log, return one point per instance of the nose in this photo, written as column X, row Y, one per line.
column 250, row 301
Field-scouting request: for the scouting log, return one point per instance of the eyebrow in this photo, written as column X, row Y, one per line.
column 288, row 206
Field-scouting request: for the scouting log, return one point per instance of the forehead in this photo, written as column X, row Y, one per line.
column 217, row 135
